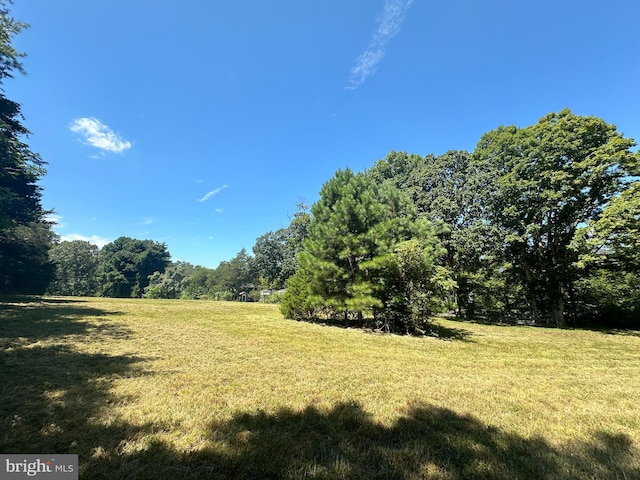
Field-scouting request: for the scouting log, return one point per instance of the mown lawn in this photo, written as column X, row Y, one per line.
column 194, row 389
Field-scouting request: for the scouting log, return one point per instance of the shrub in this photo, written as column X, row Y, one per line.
column 296, row 303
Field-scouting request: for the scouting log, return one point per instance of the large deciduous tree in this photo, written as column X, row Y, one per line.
column 550, row 178
column 613, row 240
column 76, row 265
column 275, row 253
column 451, row 189
column 609, row 262
column 126, row 265
column 25, row 234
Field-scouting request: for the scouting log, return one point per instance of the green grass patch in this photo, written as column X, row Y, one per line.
column 195, row 389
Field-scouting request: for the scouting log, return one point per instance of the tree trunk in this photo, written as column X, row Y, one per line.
column 557, row 308
column 557, row 312
column 533, row 302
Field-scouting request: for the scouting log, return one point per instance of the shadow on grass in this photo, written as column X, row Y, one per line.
column 55, row 398
column 625, row 332
column 345, row 442
column 450, row 333
column 26, row 299
column 51, row 392
column 26, row 319
column 433, row 329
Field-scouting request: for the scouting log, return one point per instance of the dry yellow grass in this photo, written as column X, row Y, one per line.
column 191, row 389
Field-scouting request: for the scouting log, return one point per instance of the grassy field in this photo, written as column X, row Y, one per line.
column 177, row 389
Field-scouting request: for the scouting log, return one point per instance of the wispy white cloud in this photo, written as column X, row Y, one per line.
column 213, row 192
column 95, row 133
column 94, row 239
column 219, row 210
column 55, row 219
column 389, row 24
column 146, row 221
column 70, row 237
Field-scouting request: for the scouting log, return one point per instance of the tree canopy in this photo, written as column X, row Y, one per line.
column 355, row 263
column 76, row 265
column 25, row 234
column 550, row 178
column 126, row 265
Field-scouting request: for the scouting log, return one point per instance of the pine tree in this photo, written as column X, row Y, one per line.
column 350, row 262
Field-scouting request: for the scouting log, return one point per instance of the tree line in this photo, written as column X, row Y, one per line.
column 129, row 267
column 537, row 223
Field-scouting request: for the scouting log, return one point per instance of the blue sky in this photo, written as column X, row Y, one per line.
column 202, row 123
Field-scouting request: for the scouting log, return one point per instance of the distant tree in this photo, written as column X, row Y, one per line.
column 25, row 234
column 76, row 266
column 550, row 178
column 126, row 264
column 275, row 253
column 273, row 261
column 231, row 276
column 196, row 283
column 171, row 282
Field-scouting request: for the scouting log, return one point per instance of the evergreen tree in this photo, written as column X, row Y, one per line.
column 349, row 263
column 25, row 235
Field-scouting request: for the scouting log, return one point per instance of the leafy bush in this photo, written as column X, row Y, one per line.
column 254, row 296
column 273, row 298
column 225, row 295
column 611, row 299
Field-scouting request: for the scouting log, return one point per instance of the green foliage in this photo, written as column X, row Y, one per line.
column 609, row 298
column 348, row 265
column 232, row 276
column 171, row 282
column 275, row 297
column 195, row 284
column 275, row 253
column 126, row 265
column 613, row 240
column 550, row 178
column 451, row 189
column 9, row 56
column 608, row 290
column 224, row 295
column 296, row 302
column 25, row 235
column 76, row 265
column 413, row 285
